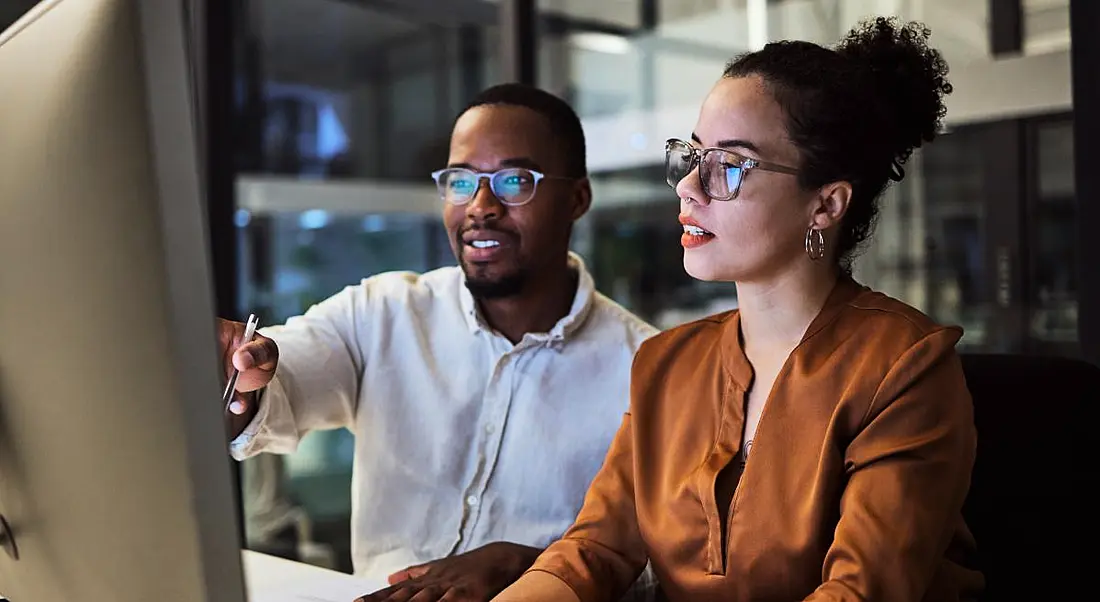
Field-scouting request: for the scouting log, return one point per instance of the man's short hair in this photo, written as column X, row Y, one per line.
column 563, row 119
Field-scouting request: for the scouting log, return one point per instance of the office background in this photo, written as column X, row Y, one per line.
column 342, row 108
column 326, row 116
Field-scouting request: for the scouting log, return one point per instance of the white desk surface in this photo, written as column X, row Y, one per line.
column 271, row 579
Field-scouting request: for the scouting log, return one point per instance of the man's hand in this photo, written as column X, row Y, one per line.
column 475, row 576
column 256, row 360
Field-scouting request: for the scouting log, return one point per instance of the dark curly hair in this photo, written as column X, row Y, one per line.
column 856, row 112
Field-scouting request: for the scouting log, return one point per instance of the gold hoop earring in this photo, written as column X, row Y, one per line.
column 815, row 244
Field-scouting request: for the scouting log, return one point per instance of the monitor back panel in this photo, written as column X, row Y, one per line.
column 113, row 473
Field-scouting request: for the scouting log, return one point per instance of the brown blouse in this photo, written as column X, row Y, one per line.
column 853, row 490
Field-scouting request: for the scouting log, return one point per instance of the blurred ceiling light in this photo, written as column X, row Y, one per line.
column 601, row 42
column 314, row 219
column 374, row 223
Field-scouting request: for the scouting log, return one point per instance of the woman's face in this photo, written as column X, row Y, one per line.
column 760, row 233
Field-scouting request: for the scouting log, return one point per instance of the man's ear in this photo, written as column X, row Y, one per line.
column 831, row 204
column 582, row 198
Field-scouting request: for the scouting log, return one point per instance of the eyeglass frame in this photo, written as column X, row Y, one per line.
column 698, row 155
column 488, row 175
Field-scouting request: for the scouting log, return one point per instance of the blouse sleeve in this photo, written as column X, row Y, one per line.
column 909, row 472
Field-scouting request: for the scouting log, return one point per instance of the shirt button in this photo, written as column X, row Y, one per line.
column 490, row 428
column 471, row 501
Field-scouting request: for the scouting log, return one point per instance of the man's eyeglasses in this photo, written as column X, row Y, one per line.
column 513, row 186
column 721, row 171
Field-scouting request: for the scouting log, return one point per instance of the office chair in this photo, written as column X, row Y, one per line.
column 1031, row 505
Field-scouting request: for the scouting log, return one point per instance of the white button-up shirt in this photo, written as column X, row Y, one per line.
column 462, row 438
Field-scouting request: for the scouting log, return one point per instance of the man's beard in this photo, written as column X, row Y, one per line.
column 510, row 285
column 482, row 287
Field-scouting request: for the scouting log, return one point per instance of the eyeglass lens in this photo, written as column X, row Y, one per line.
column 513, row 186
column 720, row 171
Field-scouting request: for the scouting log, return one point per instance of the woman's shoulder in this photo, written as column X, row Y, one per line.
column 874, row 305
column 880, row 331
column 691, row 342
column 699, row 332
column 876, row 315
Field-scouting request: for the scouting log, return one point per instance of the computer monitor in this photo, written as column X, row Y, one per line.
column 114, row 479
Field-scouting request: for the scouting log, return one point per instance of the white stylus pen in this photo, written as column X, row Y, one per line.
column 231, row 386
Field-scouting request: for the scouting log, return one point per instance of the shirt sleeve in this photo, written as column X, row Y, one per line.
column 909, row 472
column 316, row 383
column 602, row 554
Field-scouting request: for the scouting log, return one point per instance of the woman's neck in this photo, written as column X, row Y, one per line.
column 776, row 313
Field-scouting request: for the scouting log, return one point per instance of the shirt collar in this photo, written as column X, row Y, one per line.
column 565, row 327
column 733, row 352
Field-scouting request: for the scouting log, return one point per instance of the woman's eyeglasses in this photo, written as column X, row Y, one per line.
column 721, row 171
column 513, row 186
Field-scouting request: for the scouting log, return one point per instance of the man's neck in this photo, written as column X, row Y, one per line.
column 775, row 314
column 546, row 299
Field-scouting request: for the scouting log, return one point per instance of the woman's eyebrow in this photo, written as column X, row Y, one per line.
column 731, row 144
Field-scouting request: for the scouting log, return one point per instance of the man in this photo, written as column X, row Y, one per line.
column 483, row 397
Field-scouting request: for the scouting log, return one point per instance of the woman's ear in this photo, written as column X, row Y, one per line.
column 831, row 204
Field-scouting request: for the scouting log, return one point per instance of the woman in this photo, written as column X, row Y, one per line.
column 852, row 404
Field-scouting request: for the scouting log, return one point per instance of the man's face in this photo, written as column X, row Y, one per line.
column 501, row 247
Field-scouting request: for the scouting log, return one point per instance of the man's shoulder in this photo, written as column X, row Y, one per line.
column 403, row 284
column 609, row 315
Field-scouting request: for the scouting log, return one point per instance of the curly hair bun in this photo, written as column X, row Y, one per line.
column 908, row 77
